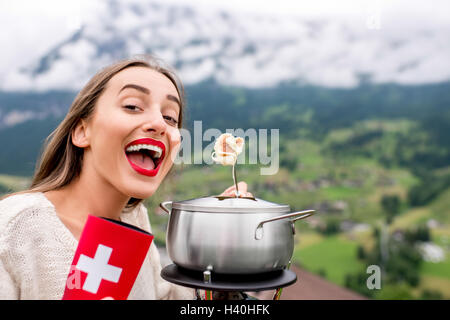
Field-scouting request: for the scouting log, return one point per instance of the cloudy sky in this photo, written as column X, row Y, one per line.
column 30, row 28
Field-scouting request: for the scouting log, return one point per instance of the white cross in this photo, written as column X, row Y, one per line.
column 97, row 268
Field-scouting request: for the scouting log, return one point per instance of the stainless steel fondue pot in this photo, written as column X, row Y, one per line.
column 231, row 235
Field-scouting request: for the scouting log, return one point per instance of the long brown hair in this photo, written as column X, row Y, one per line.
column 61, row 161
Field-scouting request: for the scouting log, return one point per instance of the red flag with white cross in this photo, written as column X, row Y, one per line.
column 107, row 260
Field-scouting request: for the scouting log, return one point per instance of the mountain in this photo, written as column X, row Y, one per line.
column 242, row 49
column 309, row 112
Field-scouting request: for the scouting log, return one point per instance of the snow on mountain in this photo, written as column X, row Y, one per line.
column 252, row 50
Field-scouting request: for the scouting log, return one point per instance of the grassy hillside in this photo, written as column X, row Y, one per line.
column 342, row 190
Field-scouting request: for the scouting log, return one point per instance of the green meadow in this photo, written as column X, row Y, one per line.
column 344, row 188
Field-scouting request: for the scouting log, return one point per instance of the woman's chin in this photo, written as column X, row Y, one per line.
column 142, row 194
column 141, row 191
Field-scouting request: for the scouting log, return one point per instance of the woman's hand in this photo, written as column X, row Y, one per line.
column 231, row 191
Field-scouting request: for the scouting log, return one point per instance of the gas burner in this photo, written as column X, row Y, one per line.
column 228, row 282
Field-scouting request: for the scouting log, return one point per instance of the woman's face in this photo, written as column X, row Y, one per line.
column 133, row 134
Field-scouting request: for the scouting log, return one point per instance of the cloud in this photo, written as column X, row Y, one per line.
column 256, row 43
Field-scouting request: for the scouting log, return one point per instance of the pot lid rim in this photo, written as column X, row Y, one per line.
column 230, row 205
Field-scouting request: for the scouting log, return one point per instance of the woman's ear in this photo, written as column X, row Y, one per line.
column 80, row 135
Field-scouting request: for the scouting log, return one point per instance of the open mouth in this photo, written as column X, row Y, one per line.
column 145, row 155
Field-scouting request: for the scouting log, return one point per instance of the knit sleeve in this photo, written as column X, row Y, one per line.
column 8, row 290
column 164, row 290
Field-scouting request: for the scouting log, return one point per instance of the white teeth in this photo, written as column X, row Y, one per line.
column 138, row 147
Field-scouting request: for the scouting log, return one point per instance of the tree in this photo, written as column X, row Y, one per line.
column 428, row 294
column 421, row 233
column 391, row 206
column 400, row 270
column 357, row 282
column 331, row 227
column 361, row 254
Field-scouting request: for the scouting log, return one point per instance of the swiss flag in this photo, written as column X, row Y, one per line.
column 107, row 260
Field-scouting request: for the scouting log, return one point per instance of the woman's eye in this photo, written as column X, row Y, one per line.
column 171, row 120
column 131, row 107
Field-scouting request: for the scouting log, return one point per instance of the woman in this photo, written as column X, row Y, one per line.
column 88, row 166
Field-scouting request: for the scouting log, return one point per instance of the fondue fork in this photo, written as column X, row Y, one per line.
column 235, row 180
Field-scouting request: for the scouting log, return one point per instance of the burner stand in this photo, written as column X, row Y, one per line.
column 209, row 280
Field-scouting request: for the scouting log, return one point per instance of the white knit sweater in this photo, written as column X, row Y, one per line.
column 37, row 249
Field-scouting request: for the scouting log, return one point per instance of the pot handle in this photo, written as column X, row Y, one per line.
column 166, row 206
column 259, row 232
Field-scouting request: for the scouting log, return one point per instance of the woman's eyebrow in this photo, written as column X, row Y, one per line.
column 174, row 99
column 135, row 86
column 147, row 91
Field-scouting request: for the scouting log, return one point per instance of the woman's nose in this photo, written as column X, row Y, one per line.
column 156, row 125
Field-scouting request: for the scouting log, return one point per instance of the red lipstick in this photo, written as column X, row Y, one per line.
column 157, row 162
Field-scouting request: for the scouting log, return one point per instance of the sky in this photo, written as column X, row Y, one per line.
column 29, row 28
column 36, row 25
